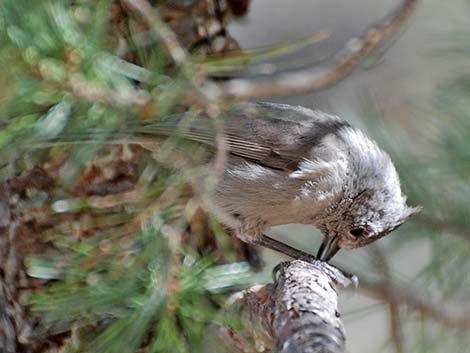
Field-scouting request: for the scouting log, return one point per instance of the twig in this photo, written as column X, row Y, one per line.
column 441, row 312
column 316, row 78
column 393, row 308
column 150, row 14
column 298, row 313
column 91, row 92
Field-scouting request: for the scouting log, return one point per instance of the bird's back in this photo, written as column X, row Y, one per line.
column 274, row 135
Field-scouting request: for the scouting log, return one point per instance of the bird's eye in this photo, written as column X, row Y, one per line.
column 357, row 232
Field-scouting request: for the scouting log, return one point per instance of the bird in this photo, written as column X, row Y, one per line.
column 294, row 165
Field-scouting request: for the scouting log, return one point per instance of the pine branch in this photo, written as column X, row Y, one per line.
column 317, row 78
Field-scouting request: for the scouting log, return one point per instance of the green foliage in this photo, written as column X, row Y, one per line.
column 64, row 76
column 127, row 288
column 121, row 288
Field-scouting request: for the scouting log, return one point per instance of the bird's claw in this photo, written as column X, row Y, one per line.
column 337, row 275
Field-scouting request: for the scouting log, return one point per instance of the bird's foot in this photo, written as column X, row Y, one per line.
column 340, row 276
column 283, row 248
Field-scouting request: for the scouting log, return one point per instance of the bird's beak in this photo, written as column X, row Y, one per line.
column 328, row 248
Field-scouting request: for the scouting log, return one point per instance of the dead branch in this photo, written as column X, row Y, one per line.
column 383, row 266
column 152, row 17
column 441, row 312
column 90, row 92
column 297, row 313
column 318, row 77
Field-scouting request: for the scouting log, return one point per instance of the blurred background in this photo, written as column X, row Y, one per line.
column 81, row 220
column 401, row 85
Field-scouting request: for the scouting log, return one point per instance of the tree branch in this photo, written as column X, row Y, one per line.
column 297, row 313
column 381, row 263
column 168, row 37
column 442, row 312
column 316, row 78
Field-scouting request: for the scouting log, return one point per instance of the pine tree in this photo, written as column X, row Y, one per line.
column 106, row 248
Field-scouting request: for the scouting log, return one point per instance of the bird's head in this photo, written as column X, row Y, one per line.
column 366, row 198
column 363, row 219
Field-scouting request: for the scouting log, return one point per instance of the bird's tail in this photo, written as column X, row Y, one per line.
column 136, row 132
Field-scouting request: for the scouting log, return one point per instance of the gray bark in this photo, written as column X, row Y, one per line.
column 297, row 313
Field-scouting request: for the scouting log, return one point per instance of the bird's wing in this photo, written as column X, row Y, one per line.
column 274, row 135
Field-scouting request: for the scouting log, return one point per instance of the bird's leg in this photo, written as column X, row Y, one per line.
column 276, row 245
column 251, row 253
column 283, row 248
column 255, row 236
column 297, row 254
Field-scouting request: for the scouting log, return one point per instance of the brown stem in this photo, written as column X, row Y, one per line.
column 441, row 312
column 316, row 78
column 393, row 308
column 168, row 37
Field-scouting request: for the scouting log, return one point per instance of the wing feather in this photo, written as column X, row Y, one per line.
column 274, row 135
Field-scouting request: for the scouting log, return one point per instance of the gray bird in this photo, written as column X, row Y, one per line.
column 289, row 164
